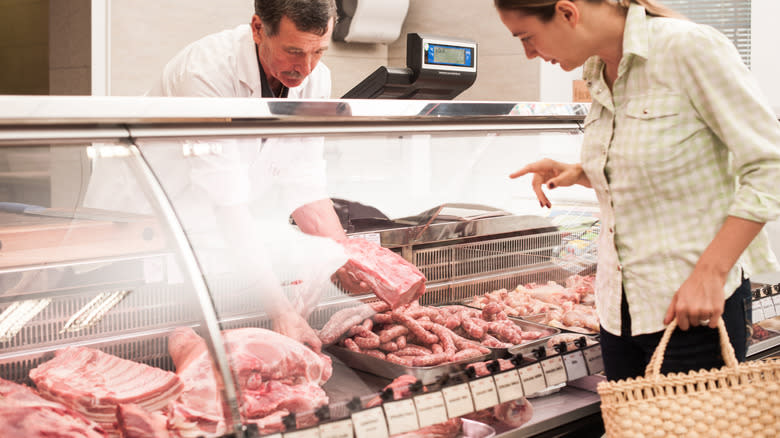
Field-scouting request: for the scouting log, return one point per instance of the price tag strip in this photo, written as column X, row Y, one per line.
column 593, row 359
column 509, row 386
column 458, row 400
column 769, row 307
column 532, row 378
column 337, row 429
column 575, row 365
column 758, row 312
column 484, row 393
column 776, row 301
column 370, row 423
column 313, row 432
column 554, row 371
column 430, row 408
column 401, row 416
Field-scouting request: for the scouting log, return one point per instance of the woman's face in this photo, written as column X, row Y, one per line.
column 555, row 41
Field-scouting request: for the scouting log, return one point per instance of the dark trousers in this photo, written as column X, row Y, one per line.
column 699, row 347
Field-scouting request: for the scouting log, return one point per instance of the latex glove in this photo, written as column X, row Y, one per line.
column 700, row 299
column 553, row 174
column 294, row 326
column 350, row 282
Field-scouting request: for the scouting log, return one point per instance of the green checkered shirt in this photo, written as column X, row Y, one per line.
column 684, row 140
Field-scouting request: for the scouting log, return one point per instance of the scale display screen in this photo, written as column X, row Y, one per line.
column 440, row 54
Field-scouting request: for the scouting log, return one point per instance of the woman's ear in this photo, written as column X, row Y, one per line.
column 568, row 11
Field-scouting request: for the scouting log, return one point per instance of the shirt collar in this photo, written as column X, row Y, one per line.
column 248, row 68
column 635, row 42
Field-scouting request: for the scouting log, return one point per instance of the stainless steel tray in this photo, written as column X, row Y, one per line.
column 389, row 370
column 523, row 324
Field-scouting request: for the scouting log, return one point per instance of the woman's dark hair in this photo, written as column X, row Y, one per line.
column 545, row 9
column 308, row 15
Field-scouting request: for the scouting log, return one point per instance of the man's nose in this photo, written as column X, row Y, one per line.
column 307, row 64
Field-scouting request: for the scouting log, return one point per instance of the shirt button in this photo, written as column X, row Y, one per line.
column 619, row 268
column 645, row 111
column 611, row 230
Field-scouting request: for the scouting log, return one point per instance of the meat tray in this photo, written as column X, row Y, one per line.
column 526, row 325
column 389, row 370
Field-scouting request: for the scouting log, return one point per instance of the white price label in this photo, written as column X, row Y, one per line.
column 776, row 301
column 509, row 386
column 314, row 432
column 337, row 429
column 484, row 393
column 371, row 237
column 276, row 435
column 758, row 312
column 769, row 307
column 594, row 360
column 401, row 416
column 554, row 371
column 532, row 378
column 458, row 400
column 370, row 423
column 575, row 365
column 430, row 408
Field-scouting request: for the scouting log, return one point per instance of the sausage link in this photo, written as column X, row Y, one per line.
column 430, row 360
column 416, row 328
column 376, row 353
column 388, row 334
column 400, row 360
column 414, row 350
column 367, row 342
column 351, row 345
column 468, row 353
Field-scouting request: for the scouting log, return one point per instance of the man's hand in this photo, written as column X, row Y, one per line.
column 350, row 283
column 553, row 174
column 699, row 301
column 294, row 326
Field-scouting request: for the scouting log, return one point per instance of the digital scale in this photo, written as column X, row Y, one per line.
column 438, row 68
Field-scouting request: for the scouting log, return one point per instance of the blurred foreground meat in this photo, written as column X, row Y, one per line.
column 24, row 413
column 393, row 279
column 513, row 413
column 94, row 383
column 277, row 375
column 401, row 388
column 135, row 422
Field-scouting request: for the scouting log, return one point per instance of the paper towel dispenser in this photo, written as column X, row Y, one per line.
column 438, row 68
column 369, row 21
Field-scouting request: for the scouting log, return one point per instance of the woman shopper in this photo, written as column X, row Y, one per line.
column 683, row 153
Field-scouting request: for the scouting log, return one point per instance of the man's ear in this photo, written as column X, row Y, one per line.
column 569, row 11
column 257, row 29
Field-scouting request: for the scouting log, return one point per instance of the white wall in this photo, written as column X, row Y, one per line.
column 765, row 54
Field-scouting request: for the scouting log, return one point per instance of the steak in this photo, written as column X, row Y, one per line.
column 94, row 383
column 393, row 279
column 24, row 413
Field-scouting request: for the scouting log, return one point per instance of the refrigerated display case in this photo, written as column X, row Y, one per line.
column 157, row 233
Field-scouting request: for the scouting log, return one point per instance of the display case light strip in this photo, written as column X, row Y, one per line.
column 94, row 311
column 17, row 315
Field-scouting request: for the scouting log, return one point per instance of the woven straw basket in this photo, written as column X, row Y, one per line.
column 738, row 400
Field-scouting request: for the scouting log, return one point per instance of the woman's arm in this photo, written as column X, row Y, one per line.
column 553, row 174
column 700, row 298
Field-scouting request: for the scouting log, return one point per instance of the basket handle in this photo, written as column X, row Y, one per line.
column 654, row 367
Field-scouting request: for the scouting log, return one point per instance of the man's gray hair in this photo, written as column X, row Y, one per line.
column 308, row 15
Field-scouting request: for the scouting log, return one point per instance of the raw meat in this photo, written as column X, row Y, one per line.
column 393, row 279
column 24, row 413
column 94, row 383
column 134, row 422
column 276, row 375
